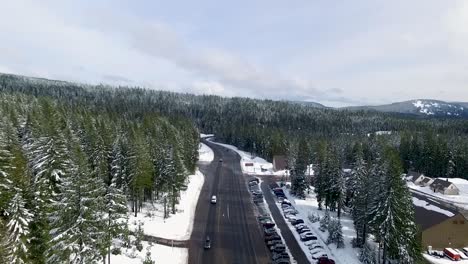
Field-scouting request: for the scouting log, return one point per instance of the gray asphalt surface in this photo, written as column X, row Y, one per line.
column 294, row 248
column 231, row 225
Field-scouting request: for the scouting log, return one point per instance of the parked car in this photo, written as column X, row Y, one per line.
column 273, row 242
column 297, row 221
column 282, row 255
column 213, row 199
column 303, row 230
column 315, row 251
column 281, row 261
column 307, row 236
column 300, row 226
column 269, row 231
column 263, row 217
column 268, row 224
column 319, row 255
column 462, row 254
column 325, row 260
column 272, row 237
column 278, row 248
column 315, row 246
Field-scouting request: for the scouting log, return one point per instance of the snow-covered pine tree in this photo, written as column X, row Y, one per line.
column 332, row 173
column 393, row 215
column 325, row 221
column 299, row 184
column 6, row 157
column 77, row 222
column 148, row 259
column 335, row 233
column 360, row 198
column 367, row 255
column 115, row 205
column 320, row 176
column 18, row 237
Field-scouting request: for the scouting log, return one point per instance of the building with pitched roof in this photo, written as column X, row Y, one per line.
column 441, row 226
column 444, row 187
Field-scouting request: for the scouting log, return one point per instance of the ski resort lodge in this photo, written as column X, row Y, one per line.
column 441, row 226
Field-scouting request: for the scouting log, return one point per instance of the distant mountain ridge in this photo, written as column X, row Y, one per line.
column 418, row 107
column 421, row 107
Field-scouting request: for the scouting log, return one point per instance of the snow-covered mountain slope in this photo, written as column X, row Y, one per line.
column 422, row 107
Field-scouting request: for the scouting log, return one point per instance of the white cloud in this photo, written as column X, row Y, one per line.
column 405, row 51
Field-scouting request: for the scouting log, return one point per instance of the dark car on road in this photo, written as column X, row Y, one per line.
column 207, row 243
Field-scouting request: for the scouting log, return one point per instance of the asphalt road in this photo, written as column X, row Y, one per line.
column 288, row 236
column 236, row 237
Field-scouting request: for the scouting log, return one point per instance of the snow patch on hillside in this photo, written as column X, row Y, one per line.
column 431, row 108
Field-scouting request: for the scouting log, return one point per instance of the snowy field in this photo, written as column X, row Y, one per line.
column 178, row 226
column 205, row 153
column 347, row 255
column 460, row 200
column 159, row 254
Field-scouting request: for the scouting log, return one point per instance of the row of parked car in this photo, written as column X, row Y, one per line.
column 273, row 240
column 306, row 235
column 254, row 187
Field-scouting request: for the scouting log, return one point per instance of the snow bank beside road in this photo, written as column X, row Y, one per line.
column 205, row 153
column 159, row 254
column 178, row 226
column 206, row 135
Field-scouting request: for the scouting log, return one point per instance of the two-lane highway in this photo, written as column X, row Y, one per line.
column 231, row 225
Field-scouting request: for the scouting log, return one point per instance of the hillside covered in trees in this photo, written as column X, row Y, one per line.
column 68, row 170
column 270, row 127
column 72, row 157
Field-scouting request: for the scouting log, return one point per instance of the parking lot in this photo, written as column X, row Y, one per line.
column 274, row 241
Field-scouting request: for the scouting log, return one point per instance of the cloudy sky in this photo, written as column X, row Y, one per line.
column 336, row 52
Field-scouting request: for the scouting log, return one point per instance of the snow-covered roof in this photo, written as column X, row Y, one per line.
column 429, row 212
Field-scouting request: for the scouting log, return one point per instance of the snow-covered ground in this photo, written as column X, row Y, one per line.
column 178, row 226
column 254, row 165
column 421, row 203
column 205, row 153
column 159, row 254
column 435, row 260
column 346, row 255
column 206, row 135
column 460, row 200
